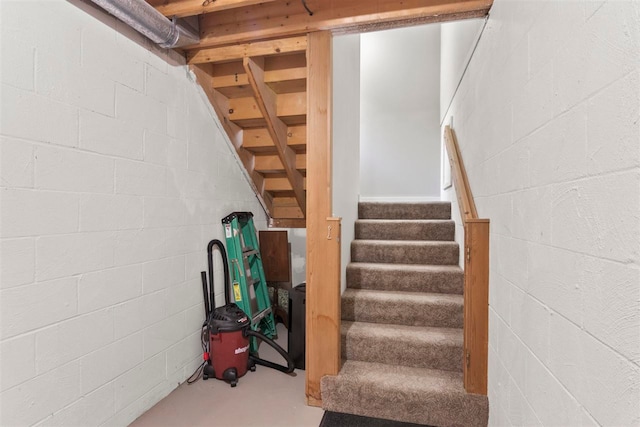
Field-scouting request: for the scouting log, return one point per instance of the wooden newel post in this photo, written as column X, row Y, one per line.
column 323, row 232
column 476, row 305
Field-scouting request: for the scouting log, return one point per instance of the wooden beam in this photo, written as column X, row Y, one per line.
column 230, row 80
column 297, row 137
column 291, row 212
column 323, row 232
column 285, row 201
column 273, row 163
column 182, row 8
column 278, row 184
column 286, row 105
column 258, row 140
column 267, row 103
column 286, row 208
column 285, row 18
column 237, row 79
column 246, row 50
column 287, row 223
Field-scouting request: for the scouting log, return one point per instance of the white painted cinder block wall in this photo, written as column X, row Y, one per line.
column 457, row 42
column 114, row 177
column 547, row 117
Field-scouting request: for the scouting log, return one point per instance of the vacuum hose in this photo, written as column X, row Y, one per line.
column 290, row 366
column 225, row 266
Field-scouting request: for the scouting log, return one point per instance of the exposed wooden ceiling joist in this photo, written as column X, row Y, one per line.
column 261, row 48
column 284, row 18
column 182, row 8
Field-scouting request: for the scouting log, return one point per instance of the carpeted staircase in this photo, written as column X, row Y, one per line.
column 402, row 319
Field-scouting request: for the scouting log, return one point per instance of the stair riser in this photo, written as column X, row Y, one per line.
column 436, row 254
column 413, row 353
column 372, row 400
column 442, row 315
column 402, row 279
column 404, row 210
column 442, row 231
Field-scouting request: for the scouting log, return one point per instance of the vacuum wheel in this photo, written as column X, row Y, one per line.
column 231, row 375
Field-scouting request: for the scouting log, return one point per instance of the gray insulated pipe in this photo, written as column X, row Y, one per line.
column 145, row 19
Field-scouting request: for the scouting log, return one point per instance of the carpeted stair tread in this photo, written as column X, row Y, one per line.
column 448, row 279
column 425, row 210
column 405, row 252
column 401, row 393
column 397, row 229
column 403, row 308
column 418, row 346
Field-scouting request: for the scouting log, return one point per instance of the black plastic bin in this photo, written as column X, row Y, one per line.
column 297, row 324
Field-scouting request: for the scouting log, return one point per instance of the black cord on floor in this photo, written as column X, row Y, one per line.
column 197, row 374
column 205, row 354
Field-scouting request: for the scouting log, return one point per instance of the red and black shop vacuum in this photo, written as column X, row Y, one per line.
column 226, row 332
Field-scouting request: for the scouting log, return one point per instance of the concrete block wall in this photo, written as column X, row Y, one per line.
column 547, row 116
column 114, row 176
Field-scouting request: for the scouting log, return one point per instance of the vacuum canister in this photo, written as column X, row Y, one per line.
column 229, row 346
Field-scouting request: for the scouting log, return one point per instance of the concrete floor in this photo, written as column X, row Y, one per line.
column 262, row 399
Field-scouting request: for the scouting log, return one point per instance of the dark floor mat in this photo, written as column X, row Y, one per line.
column 337, row 419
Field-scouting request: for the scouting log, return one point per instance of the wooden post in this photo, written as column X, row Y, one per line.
column 476, row 304
column 323, row 246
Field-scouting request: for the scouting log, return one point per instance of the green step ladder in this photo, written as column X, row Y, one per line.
column 249, row 284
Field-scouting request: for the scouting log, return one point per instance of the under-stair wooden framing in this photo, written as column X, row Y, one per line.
column 476, row 274
column 258, row 92
column 253, row 62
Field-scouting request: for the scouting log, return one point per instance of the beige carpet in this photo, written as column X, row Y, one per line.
column 402, row 317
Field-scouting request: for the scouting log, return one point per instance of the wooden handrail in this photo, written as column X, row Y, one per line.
column 459, row 174
column 476, row 274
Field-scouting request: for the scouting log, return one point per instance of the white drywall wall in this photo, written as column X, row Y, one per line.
column 547, row 120
column 399, row 114
column 114, row 176
column 298, row 242
column 346, row 140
